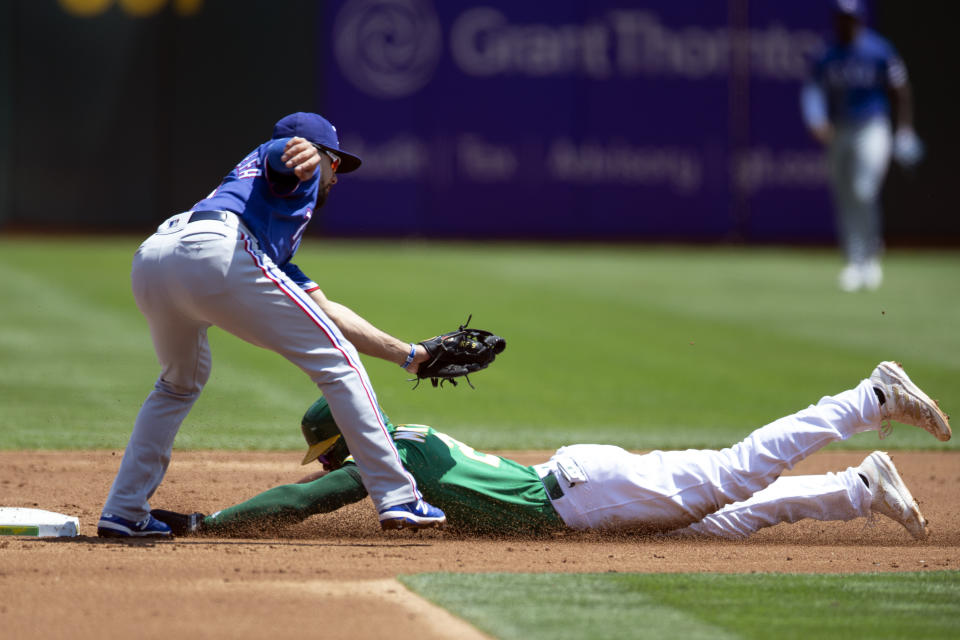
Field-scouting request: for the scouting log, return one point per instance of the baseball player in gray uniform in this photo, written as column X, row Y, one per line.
column 846, row 105
column 728, row 493
column 227, row 262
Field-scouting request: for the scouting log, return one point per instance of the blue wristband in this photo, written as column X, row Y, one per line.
column 413, row 352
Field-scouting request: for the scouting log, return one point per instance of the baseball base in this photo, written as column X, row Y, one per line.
column 20, row 521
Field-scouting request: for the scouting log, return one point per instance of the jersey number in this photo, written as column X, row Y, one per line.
column 468, row 451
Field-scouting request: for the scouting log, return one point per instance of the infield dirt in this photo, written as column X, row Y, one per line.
column 333, row 575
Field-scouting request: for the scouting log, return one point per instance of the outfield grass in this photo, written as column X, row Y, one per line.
column 694, row 606
column 647, row 347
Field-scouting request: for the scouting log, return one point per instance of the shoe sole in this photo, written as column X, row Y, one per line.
column 407, row 523
column 894, row 483
column 895, row 370
column 113, row 533
column 114, row 530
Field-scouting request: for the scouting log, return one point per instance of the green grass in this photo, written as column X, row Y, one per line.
column 693, row 606
column 647, row 347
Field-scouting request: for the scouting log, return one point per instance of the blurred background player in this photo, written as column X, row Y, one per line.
column 856, row 86
column 729, row 493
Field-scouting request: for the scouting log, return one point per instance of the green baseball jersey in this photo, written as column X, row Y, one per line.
column 478, row 491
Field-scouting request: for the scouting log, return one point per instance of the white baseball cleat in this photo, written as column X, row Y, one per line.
column 890, row 495
column 872, row 274
column 412, row 515
column 850, row 278
column 905, row 402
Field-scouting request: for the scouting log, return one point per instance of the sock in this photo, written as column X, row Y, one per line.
column 882, row 398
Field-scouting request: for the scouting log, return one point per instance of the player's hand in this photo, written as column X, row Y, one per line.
column 823, row 134
column 908, row 149
column 302, row 157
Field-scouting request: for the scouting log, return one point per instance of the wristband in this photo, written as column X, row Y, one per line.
column 409, row 360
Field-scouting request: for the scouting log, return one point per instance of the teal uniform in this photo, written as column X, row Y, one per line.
column 479, row 492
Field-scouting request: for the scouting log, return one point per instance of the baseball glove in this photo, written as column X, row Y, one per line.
column 459, row 353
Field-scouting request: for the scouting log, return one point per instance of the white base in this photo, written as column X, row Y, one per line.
column 20, row 521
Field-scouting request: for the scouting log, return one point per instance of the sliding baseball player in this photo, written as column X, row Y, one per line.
column 729, row 493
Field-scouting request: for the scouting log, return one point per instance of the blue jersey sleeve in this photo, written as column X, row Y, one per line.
column 299, row 277
column 274, row 205
column 896, row 69
column 273, row 153
column 282, row 179
column 813, row 105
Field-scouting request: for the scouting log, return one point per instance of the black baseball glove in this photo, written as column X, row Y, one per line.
column 459, row 353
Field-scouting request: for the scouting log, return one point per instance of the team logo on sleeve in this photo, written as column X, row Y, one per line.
column 249, row 167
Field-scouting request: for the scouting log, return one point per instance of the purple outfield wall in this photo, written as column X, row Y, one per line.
column 599, row 120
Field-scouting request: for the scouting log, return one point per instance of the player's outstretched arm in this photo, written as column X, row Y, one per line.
column 908, row 149
column 291, row 503
column 366, row 337
column 901, row 98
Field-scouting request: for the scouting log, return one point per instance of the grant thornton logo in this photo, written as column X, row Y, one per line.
column 387, row 48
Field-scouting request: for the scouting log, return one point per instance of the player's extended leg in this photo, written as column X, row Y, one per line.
column 871, row 159
column 180, row 341
column 262, row 306
column 832, row 496
column 665, row 490
column 873, row 487
column 840, row 162
column 661, row 491
column 147, row 455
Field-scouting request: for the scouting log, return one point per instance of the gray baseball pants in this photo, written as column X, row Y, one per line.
column 189, row 276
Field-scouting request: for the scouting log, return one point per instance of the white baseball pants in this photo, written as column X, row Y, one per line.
column 606, row 487
column 189, row 276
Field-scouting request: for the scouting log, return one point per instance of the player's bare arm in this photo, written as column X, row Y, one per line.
column 366, row 337
column 901, row 100
column 908, row 149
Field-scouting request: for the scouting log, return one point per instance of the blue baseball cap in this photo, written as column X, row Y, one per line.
column 318, row 130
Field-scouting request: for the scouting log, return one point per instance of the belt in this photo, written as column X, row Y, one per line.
column 552, row 485
column 219, row 216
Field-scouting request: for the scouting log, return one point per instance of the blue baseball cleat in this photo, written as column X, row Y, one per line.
column 412, row 515
column 111, row 526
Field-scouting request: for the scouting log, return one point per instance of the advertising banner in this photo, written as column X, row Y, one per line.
column 574, row 120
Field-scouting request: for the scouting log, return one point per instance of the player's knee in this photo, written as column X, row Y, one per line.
column 187, row 392
column 865, row 192
column 184, row 381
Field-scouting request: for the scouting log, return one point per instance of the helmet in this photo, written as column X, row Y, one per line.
column 322, row 435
